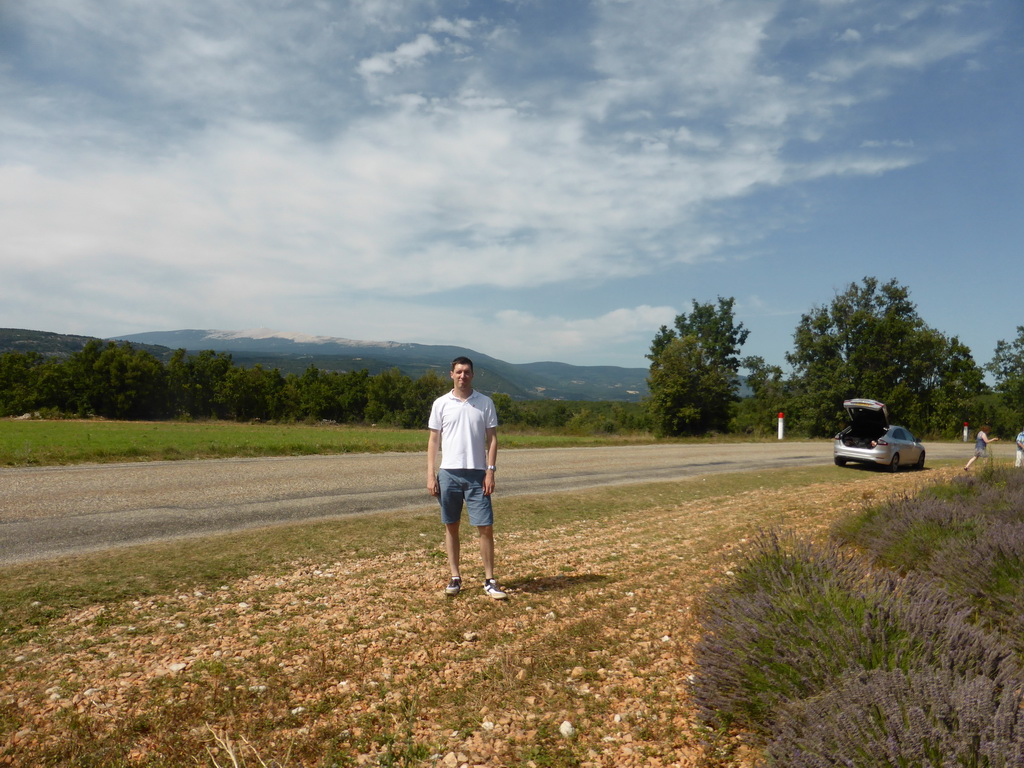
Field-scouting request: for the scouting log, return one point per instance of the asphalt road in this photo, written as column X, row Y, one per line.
column 51, row 511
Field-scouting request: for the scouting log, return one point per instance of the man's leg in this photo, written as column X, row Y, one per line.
column 486, row 533
column 452, row 547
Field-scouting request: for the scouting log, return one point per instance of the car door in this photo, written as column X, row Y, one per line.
column 909, row 448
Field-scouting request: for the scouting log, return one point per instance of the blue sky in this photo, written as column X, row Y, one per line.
column 532, row 179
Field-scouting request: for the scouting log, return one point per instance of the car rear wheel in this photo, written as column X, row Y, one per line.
column 840, row 462
column 894, row 465
column 920, row 461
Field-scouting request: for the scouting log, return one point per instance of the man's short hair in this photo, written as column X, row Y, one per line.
column 462, row 360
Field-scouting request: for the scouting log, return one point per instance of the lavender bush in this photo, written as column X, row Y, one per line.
column 800, row 616
column 903, row 650
column 989, row 572
column 883, row 718
column 968, row 534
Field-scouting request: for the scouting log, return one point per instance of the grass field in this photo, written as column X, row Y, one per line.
column 39, row 442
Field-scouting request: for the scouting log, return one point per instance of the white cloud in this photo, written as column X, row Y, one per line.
column 455, row 27
column 406, row 55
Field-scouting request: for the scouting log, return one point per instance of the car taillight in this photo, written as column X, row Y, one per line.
column 881, row 442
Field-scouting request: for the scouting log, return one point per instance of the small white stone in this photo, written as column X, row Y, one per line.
column 487, row 725
column 567, row 729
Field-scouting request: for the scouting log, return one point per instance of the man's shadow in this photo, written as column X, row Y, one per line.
column 543, row 584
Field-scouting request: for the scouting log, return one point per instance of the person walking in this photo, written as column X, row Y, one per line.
column 980, row 446
column 464, row 424
column 1020, row 449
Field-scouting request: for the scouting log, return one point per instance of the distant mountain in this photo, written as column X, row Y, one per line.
column 294, row 353
column 58, row 345
column 45, row 343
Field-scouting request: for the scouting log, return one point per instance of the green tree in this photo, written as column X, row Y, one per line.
column 352, row 395
column 759, row 413
column 253, row 393
column 19, row 383
column 689, row 393
column 132, row 384
column 1007, row 367
column 315, row 393
column 694, row 374
column 420, row 397
column 871, row 342
column 509, row 412
column 387, row 395
column 78, row 384
column 197, row 383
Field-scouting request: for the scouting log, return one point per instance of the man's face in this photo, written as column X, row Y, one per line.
column 462, row 375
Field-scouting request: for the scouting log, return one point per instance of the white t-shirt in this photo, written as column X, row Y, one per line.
column 463, row 425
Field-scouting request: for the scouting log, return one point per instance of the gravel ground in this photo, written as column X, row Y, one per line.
column 597, row 633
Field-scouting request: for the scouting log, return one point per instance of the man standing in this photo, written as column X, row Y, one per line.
column 465, row 425
column 1020, row 449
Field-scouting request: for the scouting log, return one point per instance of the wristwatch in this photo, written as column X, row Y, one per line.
column 492, row 468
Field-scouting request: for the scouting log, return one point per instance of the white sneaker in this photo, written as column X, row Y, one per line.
column 492, row 590
column 454, row 586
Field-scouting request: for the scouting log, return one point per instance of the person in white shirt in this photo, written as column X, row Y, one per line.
column 464, row 424
column 1020, row 449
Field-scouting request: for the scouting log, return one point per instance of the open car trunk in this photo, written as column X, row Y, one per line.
column 869, row 420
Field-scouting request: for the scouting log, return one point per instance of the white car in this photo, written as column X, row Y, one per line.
column 871, row 439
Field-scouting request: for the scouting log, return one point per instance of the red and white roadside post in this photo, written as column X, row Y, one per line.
column 966, row 432
column 782, row 425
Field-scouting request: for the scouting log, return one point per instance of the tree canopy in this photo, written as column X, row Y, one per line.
column 871, row 342
column 694, row 370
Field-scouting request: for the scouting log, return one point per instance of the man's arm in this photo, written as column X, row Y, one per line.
column 432, row 443
column 492, row 459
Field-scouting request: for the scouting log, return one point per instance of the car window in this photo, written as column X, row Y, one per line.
column 900, row 434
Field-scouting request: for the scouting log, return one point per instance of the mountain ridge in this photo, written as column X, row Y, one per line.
column 296, row 352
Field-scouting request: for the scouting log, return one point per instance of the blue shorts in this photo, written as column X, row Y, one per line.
column 464, row 485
